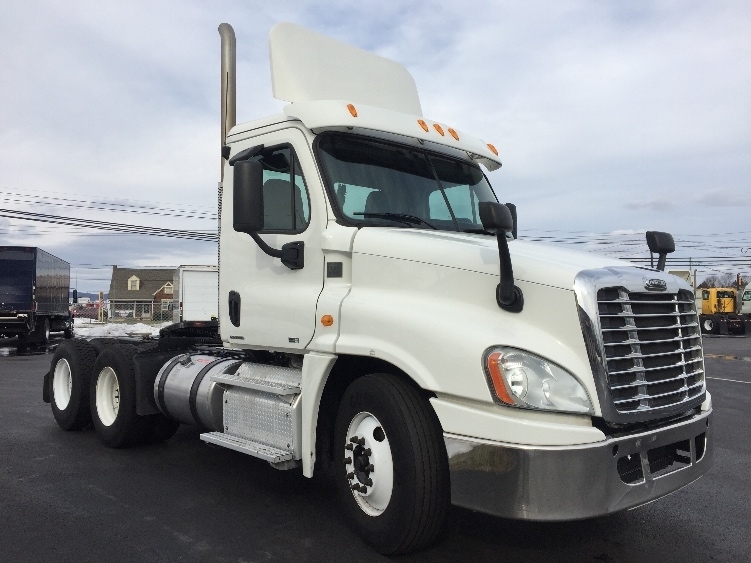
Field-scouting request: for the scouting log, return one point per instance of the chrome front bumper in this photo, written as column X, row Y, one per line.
column 575, row 482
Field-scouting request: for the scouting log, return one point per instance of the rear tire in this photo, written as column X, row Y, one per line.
column 708, row 326
column 393, row 476
column 113, row 398
column 42, row 332
column 69, row 384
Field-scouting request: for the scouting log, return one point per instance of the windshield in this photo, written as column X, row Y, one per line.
column 379, row 183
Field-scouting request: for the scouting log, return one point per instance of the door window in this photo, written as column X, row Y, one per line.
column 286, row 206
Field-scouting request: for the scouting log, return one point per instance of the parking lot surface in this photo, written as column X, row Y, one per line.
column 66, row 497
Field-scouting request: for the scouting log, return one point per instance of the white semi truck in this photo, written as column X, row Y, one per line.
column 377, row 318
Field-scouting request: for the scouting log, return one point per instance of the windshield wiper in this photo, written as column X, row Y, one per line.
column 401, row 217
column 477, row 231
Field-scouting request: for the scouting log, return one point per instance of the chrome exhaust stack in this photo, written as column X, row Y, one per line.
column 229, row 85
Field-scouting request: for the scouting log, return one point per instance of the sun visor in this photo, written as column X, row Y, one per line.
column 307, row 66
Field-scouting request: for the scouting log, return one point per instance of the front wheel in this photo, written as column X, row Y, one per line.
column 393, row 480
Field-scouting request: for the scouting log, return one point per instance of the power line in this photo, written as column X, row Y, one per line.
column 207, row 236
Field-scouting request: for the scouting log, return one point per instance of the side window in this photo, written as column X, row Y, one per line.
column 286, row 207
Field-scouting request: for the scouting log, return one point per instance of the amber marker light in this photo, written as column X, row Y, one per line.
column 423, row 125
column 493, row 149
column 453, row 133
column 352, row 110
column 439, row 129
column 327, row 320
column 494, row 370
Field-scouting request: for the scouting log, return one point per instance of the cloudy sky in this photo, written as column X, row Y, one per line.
column 612, row 117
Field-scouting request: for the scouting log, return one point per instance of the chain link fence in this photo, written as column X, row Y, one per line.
column 139, row 311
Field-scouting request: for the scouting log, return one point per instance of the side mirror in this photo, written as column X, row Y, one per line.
column 247, row 206
column 496, row 217
column 247, row 212
column 661, row 244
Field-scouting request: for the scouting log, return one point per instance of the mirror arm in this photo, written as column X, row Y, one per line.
column 292, row 254
column 273, row 252
column 509, row 296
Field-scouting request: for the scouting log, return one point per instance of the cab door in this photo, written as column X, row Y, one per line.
column 271, row 305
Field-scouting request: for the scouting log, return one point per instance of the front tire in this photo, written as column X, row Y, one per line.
column 69, row 384
column 113, row 398
column 393, row 478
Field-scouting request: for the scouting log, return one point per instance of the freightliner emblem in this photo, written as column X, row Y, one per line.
column 655, row 284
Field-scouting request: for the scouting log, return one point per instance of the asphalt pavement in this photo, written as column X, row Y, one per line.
column 66, row 497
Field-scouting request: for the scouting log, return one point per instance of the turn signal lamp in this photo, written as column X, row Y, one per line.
column 352, row 110
column 493, row 149
column 327, row 320
column 496, row 377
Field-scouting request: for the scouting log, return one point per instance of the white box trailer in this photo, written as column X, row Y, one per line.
column 378, row 318
column 196, row 294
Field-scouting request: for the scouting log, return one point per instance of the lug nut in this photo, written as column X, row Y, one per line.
column 354, row 439
column 347, row 460
column 369, row 482
column 349, row 446
column 371, row 468
column 367, row 451
column 351, row 475
column 361, row 441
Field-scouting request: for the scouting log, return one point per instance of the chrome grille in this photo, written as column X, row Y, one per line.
column 652, row 348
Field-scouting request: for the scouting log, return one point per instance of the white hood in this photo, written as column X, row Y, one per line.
column 533, row 262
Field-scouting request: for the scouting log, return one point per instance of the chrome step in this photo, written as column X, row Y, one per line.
column 274, row 387
column 255, row 449
column 262, row 377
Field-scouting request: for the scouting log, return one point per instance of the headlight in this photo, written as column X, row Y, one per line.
column 521, row 379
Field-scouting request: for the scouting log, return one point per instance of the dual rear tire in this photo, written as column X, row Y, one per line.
column 113, row 402
column 90, row 386
column 70, row 382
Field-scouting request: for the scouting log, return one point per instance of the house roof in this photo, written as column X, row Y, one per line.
column 152, row 279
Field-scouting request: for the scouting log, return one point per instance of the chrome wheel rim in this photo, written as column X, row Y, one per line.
column 62, row 384
column 369, row 464
column 107, row 396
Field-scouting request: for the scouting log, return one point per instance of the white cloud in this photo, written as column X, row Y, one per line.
column 608, row 114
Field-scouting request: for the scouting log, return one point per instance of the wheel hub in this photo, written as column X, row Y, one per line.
column 369, row 464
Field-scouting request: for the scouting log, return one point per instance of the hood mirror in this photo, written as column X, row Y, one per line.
column 661, row 244
column 497, row 218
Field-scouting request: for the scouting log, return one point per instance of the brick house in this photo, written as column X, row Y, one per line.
column 141, row 293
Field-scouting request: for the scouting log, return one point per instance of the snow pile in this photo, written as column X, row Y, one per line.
column 86, row 329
